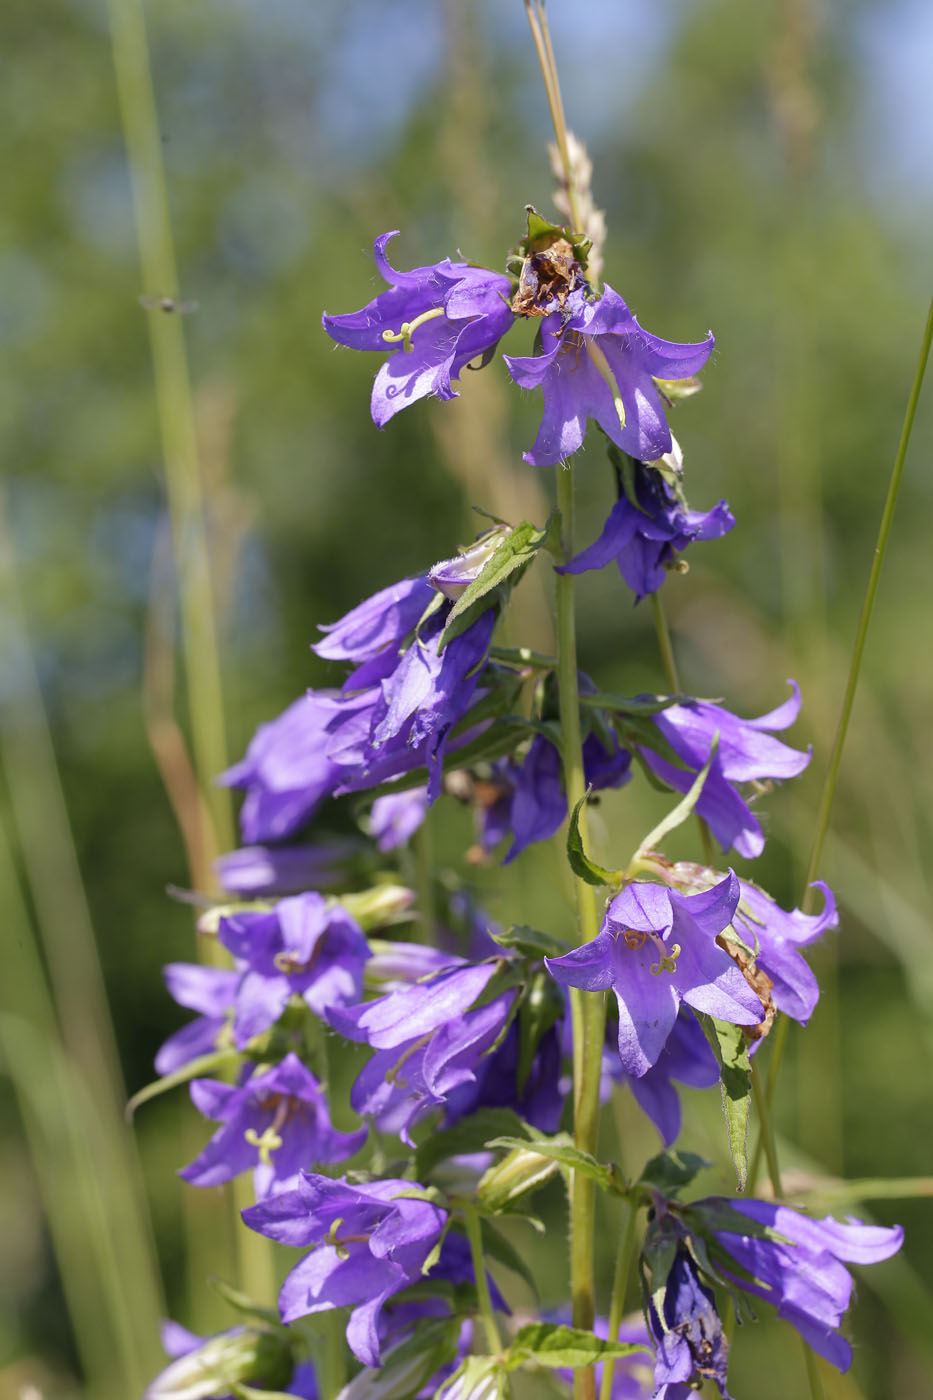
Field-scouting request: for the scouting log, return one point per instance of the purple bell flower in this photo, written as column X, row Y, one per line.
column 436, row 320
column 371, row 634
column 203, row 1367
column 368, row 1243
column 275, row 1123
column 644, row 541
column 302, row 947
column 688, row 1333
column 747, row 752
column 657, row 948
column 805, row 1278
column 209, row 990
column 599, row 363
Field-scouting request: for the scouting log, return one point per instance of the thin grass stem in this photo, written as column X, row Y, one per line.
column 625, row 1258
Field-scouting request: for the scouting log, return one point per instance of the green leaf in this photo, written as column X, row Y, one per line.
column 469, row 1135
column 561, row 1149
column 731, row 1050
column 531, row 942
column 552, row 1344
column 670, row 1170
column 684, row 807
column 514, row 552
column 203, row 1064
column 580, row 863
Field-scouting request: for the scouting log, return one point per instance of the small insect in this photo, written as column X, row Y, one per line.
column 168, row 304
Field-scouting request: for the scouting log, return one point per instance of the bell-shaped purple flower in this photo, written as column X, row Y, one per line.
column 276, row 1124
column 434, row 319
column 371, row 634
column 286, row 773
column 803, row 1274
column 598, row 363
column 367, row 1242
column 657, row 948
column 304, row 947
column 747, row 753
column 644, row 539
column 691, row 1345
column 212, row 992
column 396, row 816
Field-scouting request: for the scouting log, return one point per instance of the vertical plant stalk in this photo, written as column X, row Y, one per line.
column 625, row 1258
column 588, row 1010
column 175, row 409
column 855, row 666
column 487, row 1313
column 666, row 648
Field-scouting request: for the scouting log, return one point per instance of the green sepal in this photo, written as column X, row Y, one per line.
column 624, row 705
column 541, row 1008
column 515, row 551
column 637, row 732
column 202, row 1064
column 730, row 1047
column 679, row 814
column 669, row 1171
column 553, row 1344
column 242, row 1303
column 580, row 863
column 542, row 233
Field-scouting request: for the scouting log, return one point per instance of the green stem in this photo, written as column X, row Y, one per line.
column 175, row 406
column 766, row 1133
column 623, row 1268
column 487, row 1313
column 664, row 642
column 588, row 1010
column 887, row 517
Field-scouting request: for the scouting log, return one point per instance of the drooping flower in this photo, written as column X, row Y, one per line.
column 747, row 753
column 655, row 949
column 275, row 1123
column 368, row 1243
column 598, row 363
column 800, row 1266
column 204, row 1368
column 691, row 1345
column 304, row 947
column 208, row 990
column 374, row 630
column 643, row 536
column 434, row 319
column 396, row 816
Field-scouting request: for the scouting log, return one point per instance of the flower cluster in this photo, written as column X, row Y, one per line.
column 467, row 1040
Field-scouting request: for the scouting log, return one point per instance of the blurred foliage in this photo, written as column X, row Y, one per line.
column 738, row 195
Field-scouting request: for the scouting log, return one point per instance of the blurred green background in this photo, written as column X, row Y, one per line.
column 765, row 171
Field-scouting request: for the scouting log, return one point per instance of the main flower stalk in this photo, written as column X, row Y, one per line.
column 588, row 1010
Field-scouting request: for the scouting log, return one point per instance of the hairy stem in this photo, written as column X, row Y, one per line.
column 588, row 1010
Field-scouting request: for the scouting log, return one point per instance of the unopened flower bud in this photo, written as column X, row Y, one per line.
column 243, row 1355
column 378, row 907
column 452, row 577
column 521, row 1171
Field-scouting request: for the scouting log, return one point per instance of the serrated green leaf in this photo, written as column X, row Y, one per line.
column 561, row 1149
column 552, row 1344
column 670, row 1170
column 731, row 1050
column 469, row 1135
column 580, row 863
column 531, row 942
column 684, row 807
column 515, row 551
